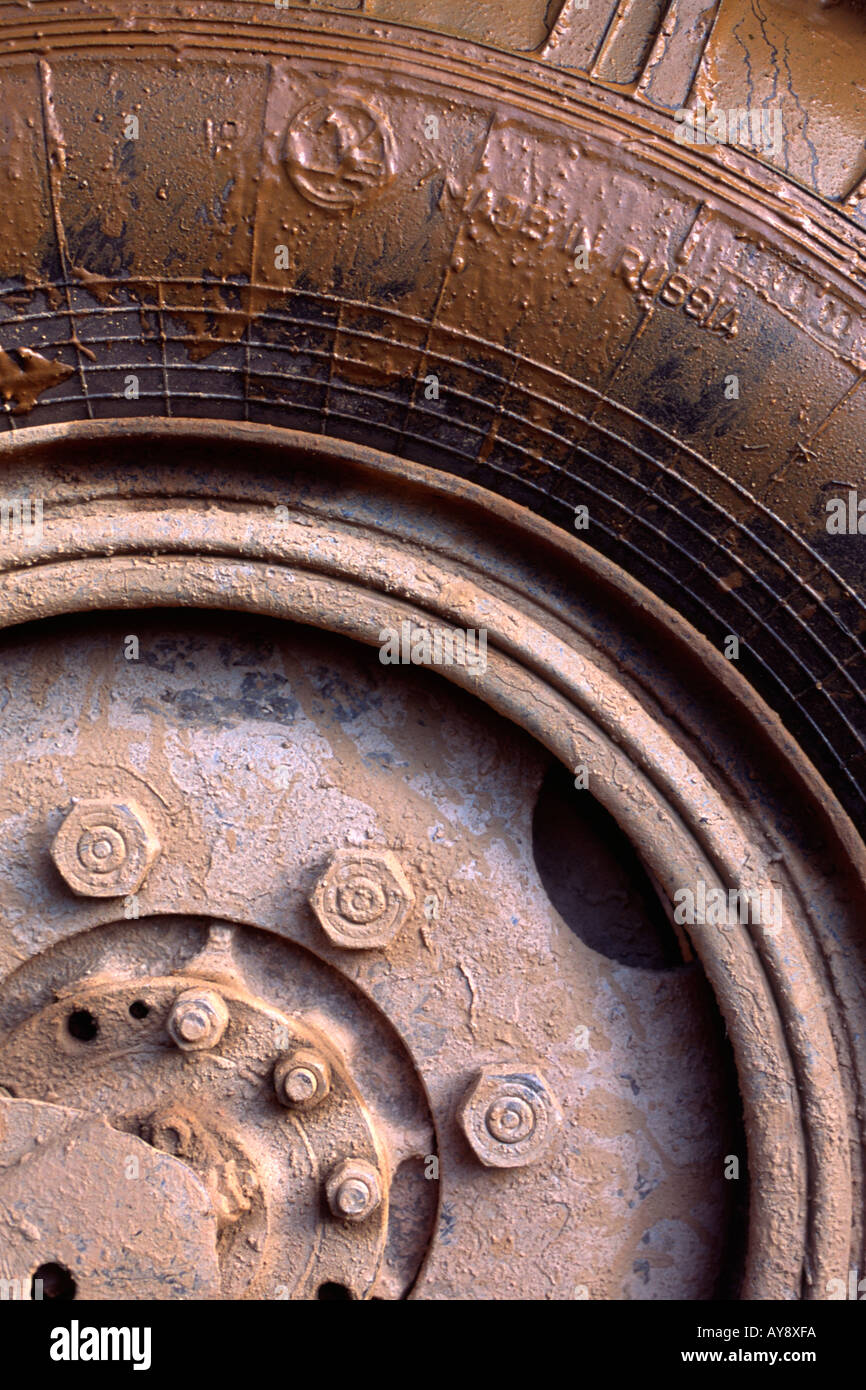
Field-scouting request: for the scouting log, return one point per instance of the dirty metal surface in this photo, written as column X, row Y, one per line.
column 74, row 1187
column 371, row 978
column 260, row 754
column 262, row 1162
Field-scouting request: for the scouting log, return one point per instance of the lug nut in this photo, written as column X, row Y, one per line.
column 354, row 1190
column 302, row 1079
column 509, row 1116
column 104, row 849
column 363, row 899
column 198, row 1019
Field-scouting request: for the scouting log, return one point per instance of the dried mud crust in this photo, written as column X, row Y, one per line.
column 343, row 226
column 581, row 659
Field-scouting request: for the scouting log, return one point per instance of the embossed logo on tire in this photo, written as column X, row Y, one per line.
column 339, row 154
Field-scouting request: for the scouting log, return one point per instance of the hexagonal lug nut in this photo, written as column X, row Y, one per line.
column 302, row 1079
column 509, row 1116
column 363, row 898
column 198, row 1019
column 105, row 849
column 354, row 1190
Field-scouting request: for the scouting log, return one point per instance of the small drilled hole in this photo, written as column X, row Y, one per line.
column 334, row 1293
column 82, row 1025
column 139, row 1009
column 56, row 1281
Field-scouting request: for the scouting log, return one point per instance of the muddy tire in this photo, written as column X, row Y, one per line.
column 423, row 294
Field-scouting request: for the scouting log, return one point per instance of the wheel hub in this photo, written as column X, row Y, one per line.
column 237, row 1106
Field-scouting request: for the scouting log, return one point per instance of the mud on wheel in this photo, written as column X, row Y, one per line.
column 432, row 768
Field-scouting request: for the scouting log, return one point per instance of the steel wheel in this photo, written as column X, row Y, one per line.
column 273, row 907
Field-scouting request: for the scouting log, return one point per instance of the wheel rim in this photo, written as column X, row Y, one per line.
column 369, row 544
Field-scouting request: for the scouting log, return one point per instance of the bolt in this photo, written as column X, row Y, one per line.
column 510, row 1120
column 302, row 1079
column 104, row 849
column 509, row 1116
column 363, row 898
column 198, row 1019
column 353, row 1198
column 354, row 1190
